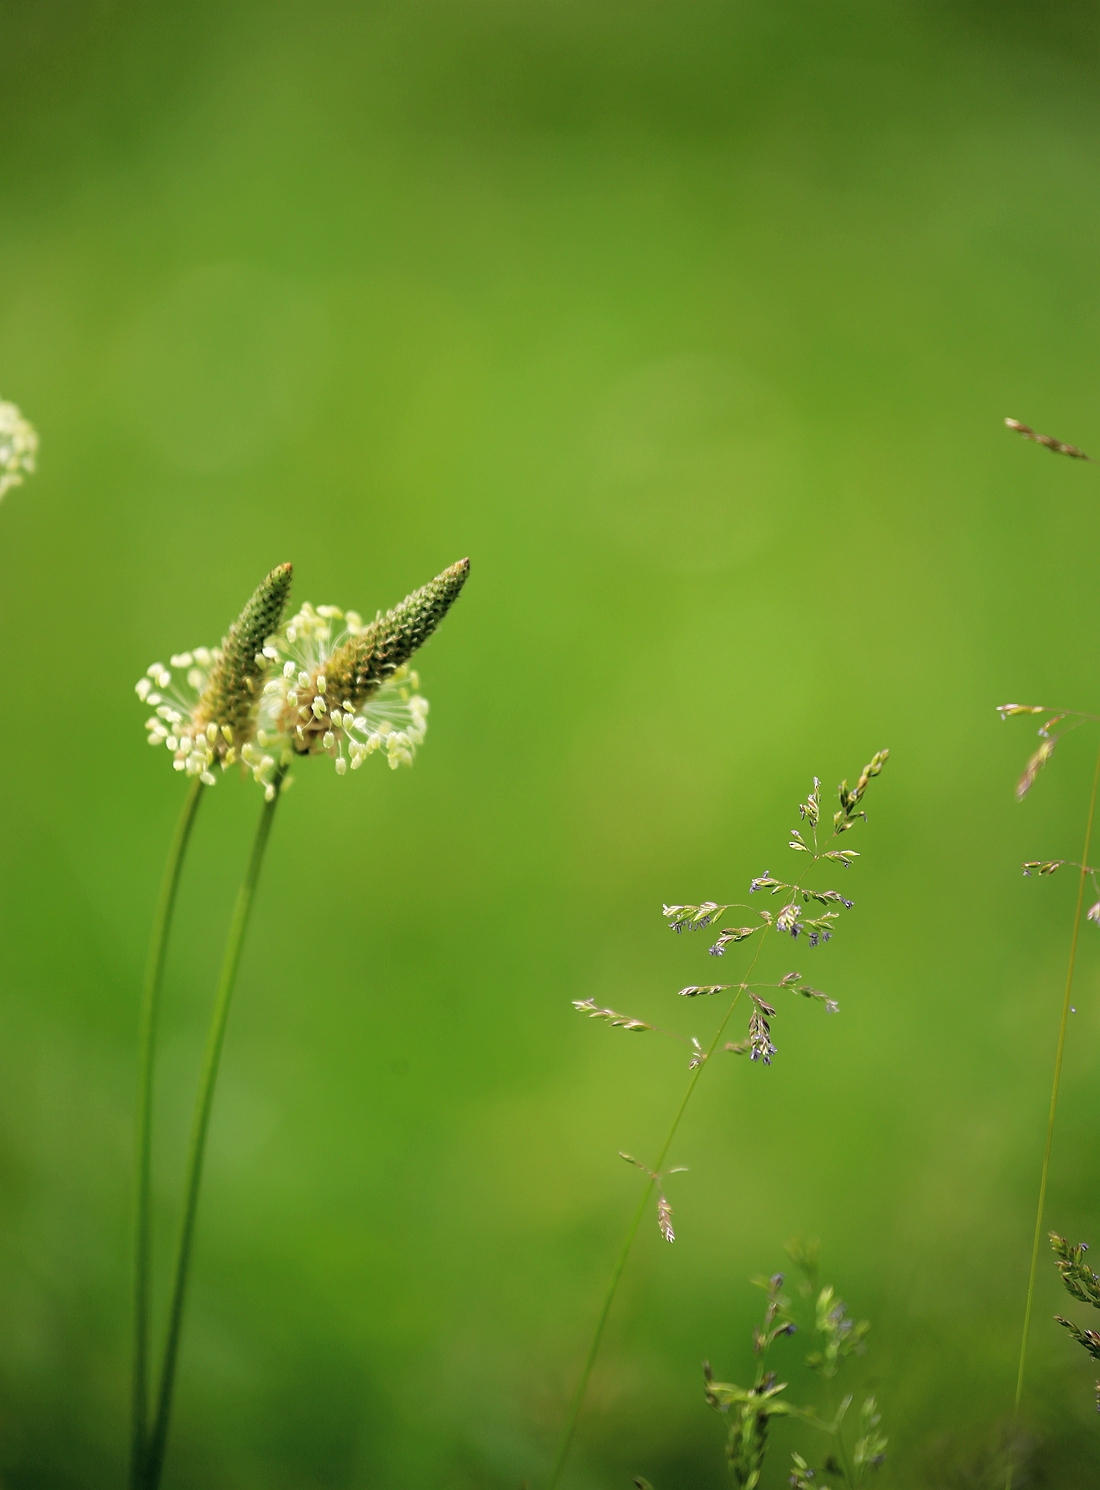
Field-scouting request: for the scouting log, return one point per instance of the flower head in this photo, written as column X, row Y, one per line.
column 206, row 702
column 345, row 688
column 18, row 447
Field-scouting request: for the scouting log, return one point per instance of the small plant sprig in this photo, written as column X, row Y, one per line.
column 1082, row 1283
column 819, row 842
column 749, row 1411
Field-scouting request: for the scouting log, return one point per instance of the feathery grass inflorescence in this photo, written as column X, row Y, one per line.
column 818, row 842
column 240, row 702
column 18, row 447
column 1054, row 724
column 1082, row 1283
column 749, row 1411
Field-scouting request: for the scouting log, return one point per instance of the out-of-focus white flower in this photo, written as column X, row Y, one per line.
column 18, row 447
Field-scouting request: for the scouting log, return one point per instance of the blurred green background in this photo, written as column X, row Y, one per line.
column 694, row 326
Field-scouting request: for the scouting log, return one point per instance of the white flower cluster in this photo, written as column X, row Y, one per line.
column 194, row 746
column 300, row 712
column 302, row 708
column 18, row 447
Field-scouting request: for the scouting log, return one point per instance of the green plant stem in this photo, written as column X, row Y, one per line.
column 1054, row 1105
column 154, row 1462
column 577, row 1401
column 150, row 1010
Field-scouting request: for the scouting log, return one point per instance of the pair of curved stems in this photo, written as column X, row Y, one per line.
column 1053, row 1107
column 148, row 1444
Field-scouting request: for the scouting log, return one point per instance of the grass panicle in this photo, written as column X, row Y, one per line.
column 796, row 919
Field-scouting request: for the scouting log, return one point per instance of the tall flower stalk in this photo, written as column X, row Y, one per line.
column 1055, row 723
column 200, row 1125
column 1054, row 719
column 263, row 701
column 204, row 720
column 150, row 1008
column 790, row 921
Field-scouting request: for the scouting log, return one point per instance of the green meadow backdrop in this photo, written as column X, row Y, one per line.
column 694, row 325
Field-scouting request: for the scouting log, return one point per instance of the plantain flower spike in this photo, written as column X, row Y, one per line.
column 345, row 690
column 206, row 704
column 18, row 447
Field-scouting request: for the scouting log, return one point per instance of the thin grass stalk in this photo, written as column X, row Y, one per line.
column 1053, row 1107
column 577, row 1402
column 150, row 1010
column 204, row 1099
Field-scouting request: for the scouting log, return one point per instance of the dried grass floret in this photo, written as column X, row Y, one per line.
column 760, row 1041
column 1059, row 447
column 692, row 917
column 609, row 1016
column 664, row 1210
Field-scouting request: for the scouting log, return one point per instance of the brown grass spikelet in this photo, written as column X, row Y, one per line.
column 1058, row 446
column 609, row 1016
column 664, row 1219
column 664, row 1210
